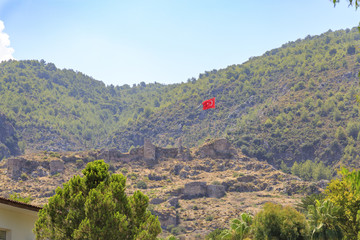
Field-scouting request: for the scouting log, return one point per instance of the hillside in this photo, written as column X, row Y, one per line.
column 286, row 105
column 193, row 191
column 293, row 103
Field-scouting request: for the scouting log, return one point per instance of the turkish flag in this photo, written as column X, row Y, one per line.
column 208, row 104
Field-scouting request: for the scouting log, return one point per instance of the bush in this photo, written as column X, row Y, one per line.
column 141, row 184
column 277, row 222
column 209, row 218
column 268, row 123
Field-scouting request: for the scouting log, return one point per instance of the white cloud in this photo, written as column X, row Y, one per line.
column 5, row 50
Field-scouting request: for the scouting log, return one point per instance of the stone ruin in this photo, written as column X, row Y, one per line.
column 18, row 165
column 148, row 154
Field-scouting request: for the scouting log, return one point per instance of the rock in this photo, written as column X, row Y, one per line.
column 247, row 178
column 183, row 174
column 157, row 200
column 174, row 202
column 167, row 217
column 243, row 187
column 215, row 191
column 219, row 148
column 195, row 190
column 56, row 166
column 177, row 168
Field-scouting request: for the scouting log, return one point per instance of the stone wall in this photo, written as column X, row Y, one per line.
column 18, row 165
column 166, row 152
column 201, row 189
column 195, row 190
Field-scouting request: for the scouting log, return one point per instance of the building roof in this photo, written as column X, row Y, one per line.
column 19, row 204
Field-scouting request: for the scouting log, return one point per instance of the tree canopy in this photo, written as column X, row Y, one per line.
column 95, row 206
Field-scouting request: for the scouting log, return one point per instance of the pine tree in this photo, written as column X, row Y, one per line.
column 96, row 207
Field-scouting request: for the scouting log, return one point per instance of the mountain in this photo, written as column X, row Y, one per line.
column 293, row 103
column 286, row 105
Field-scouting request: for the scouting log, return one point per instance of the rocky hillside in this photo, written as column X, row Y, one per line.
column 193, row 191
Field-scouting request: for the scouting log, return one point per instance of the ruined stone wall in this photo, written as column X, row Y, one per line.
column 149, row 150
column 17, row 166
column 167, row 152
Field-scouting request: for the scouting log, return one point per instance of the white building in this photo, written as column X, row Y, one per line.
column 17, row 220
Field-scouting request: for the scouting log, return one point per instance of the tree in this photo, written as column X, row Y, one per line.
column 277, row 222
column 351, row 3
column 96, row 207
column 239, row 228
column 322, row 219
column 345, row 194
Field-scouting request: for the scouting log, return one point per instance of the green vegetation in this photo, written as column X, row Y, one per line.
column 309, row 170
column 19, row 198
column 293, row 103
column 96, row 207
column 275, row 221
column 332, row 215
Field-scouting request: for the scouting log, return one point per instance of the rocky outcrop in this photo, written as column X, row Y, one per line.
column 57, row 166
column 218, row 148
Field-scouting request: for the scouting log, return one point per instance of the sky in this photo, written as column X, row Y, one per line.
column 166, row 41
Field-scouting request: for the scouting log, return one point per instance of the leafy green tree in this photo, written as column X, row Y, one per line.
column 345, row 194
column 323, row 220
column 295, row 169
column 352, row 129
column 277, row 222
column 340, row 133
column 96, row 207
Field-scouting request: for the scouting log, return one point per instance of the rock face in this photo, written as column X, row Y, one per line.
column 219, row 148
column 56, row 166
column 8, row 139
column 195, row 190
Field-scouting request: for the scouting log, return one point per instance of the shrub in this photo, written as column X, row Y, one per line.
column 268, row 123
column 141, row 184
column 209, row 218
column 277, row 222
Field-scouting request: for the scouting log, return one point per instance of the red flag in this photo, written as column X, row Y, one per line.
column 208, row 104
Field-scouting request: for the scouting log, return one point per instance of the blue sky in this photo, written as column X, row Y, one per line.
column 167, row 41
